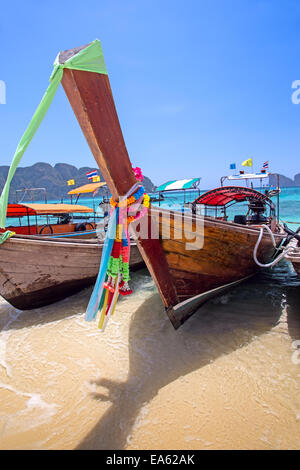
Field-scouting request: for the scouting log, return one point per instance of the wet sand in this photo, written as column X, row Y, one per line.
column 229, row 378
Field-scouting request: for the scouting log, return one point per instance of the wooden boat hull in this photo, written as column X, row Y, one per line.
column 294, row 258
column 184, row 278
column 35, row 272
column 220, row 257
column 54, row 230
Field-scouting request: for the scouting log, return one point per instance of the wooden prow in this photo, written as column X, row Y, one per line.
column 91, row 99
column 92, row 102
column 222, row 255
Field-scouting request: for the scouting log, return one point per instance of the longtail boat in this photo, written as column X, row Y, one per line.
column 62, row 220
column 189, row 266
column 167, row 191
column 36, row 271
column 51, row 220
column 184, row 277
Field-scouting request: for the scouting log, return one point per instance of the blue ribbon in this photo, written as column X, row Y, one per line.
column 95, row 300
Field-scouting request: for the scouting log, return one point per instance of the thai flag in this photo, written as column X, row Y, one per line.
column 265, row 166
column 91, row 174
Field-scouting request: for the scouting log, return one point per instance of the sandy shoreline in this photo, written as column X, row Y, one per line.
column 225, row 380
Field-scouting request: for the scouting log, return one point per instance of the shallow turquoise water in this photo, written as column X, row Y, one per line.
column 230, row 363
column 289, row 209
column 289, row 204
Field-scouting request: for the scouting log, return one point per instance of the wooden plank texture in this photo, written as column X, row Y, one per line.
column 223, row 257
column 34, row 273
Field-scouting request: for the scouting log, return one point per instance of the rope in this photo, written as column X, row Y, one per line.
column 276, row 260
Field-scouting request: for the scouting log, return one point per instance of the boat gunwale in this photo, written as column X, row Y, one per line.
column 32, row 239
column 212, row 221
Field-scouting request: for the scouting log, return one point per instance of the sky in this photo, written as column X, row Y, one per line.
column 198, row 84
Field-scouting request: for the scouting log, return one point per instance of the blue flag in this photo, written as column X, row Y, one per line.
column 232, row 166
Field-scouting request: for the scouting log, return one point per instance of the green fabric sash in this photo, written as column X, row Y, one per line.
column 89, row 59
column 4, row 236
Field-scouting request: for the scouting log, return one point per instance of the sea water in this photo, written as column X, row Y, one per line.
column 229, row 378
column 289, row 206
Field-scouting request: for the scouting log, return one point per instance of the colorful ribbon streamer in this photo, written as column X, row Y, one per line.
column 113, row 275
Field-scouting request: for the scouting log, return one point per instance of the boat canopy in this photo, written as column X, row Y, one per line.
column 225, row 195
column 20, row 210
column 248, row 176
column 87, row 188
column 245, row 176
column 176, row 185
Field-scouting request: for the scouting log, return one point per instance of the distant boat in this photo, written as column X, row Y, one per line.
column 64, row 225
column 165, row 192
column 185, row 278
column 36, row 271
column 159, row 198
column 56, row 219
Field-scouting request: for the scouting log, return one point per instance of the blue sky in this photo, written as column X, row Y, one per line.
column 197, row 84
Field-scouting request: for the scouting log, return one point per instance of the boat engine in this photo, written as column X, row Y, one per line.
column 256, row 211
